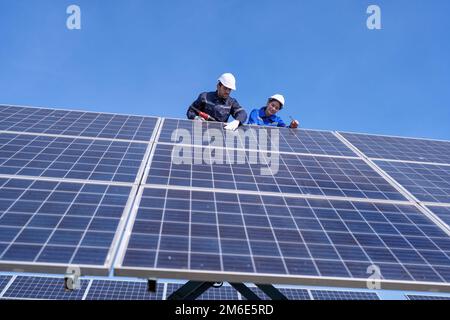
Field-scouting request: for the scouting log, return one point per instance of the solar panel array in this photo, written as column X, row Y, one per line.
column 51, row 288
column 74, row 186
column 67, row 180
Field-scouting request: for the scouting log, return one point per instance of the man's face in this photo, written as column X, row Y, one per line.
column 223, row 91
column 273, row 106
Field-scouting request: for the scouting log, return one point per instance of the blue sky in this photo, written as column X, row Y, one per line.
column 155, row 57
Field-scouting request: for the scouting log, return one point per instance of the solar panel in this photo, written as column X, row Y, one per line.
column 295, row 294
column 4, row 280
column 250, row 137
column 343, row 295
column 297, row 174
column 397, row 148
column 223, row 293
column 76, row 123
column 289, row 293
column 428, row 183
column 56, row 157
column 50, row 223
column 123, row 290
column 212, row 235
column 45, row 288
column 425, row 297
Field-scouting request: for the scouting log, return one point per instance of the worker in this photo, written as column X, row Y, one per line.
column 218, row 105
column 267, row 116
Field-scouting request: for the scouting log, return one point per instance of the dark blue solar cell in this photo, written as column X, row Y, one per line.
column 62, row 237
column 167, row 259
column 98, row 239
column 15, row 219
column 34, row 236
column 91, row 256
column 74, row 223
column 139, row 258
column 56, row 254
column 54, row 208
column 139, row 241
column 174, row 243
column 19, row 252
column 82, row 210
column 205, row 261
column 237, row 264
column 98, row 224
column 269, row 265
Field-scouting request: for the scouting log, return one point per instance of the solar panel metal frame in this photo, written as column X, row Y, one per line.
column 86, row 269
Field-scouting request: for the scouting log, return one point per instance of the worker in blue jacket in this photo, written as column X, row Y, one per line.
column 267, row 116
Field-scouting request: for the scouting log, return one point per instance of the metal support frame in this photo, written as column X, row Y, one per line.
column 193, row 289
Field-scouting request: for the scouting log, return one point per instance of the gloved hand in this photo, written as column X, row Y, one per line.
column 294, row 124
column 199, row 118
column 233, row 125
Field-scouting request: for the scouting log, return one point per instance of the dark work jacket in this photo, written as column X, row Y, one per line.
column 218, row 108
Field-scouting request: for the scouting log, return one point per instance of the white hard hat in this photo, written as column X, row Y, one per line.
column 279, row 98
column 228, row 80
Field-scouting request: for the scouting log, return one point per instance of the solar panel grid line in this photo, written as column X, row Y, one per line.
column 71, row 158
column 88, row 288
column 118, row 289
column 343, row 295
column 310, row 141
column 78, row 123
column 337, row 177
column 254, row 150
column 401, row 148
column 96, row 182
column 25, row 225
column 411, row 162
column 412, row 199
column 426, row 182
column 250, row 192
column 68, row 136
column 65, row 109
column 162, row 271
column 391, row 136
column 5, row 283
column 295, row 293
column 43, row 288
column 46, row 266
